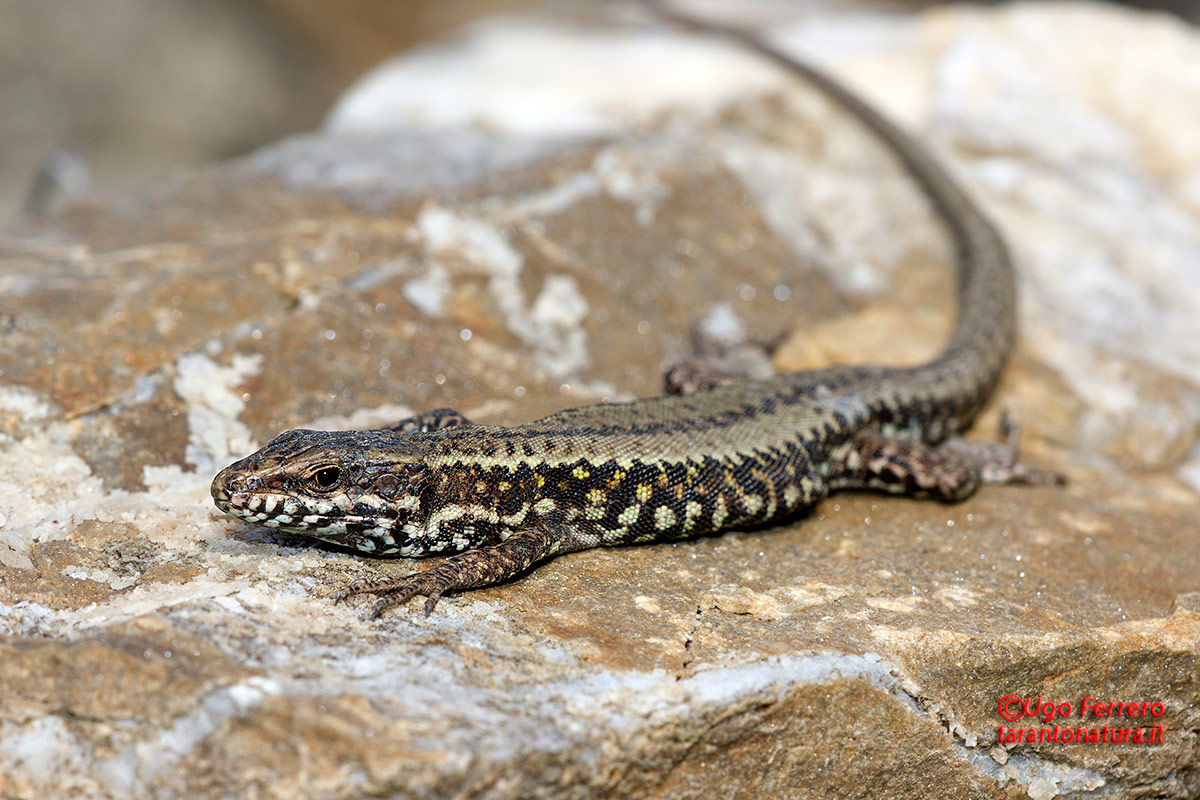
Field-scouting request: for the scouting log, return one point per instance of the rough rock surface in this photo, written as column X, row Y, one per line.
column 531, row 217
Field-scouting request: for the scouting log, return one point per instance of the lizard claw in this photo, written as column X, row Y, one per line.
column 388, row 601
column 363, row 586
column 1006, row 468
column 432, row 602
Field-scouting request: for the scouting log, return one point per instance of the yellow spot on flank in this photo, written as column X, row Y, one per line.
column 643, row 492
column 616, row 534
column 664, row 518
column 597, row 497
column 503, row 486
column 540, row 481
column 691, row 510
column 580, row 473
column 719, row 512
column 630, row 515
column 752, row 503
column 481, row 487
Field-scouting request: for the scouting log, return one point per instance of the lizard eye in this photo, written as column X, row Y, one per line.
column 327, row 477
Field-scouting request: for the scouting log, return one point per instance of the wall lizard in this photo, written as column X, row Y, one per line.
column 715, row 455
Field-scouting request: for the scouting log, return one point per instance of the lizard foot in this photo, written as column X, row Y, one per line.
column 998, row 462
column 722, row 354
column 397, row 591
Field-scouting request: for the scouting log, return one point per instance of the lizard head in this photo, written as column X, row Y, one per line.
column 359, row 489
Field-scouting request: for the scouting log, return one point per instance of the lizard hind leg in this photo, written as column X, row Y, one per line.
column 949, row 471
column 720, row 362
column 433, row 420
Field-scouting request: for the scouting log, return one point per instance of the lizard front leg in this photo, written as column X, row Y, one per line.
column 433, row 420
column 472, row 569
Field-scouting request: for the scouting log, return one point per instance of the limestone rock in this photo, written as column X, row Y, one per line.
column 534, row 216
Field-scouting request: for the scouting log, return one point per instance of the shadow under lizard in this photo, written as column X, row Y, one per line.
column 716, row 455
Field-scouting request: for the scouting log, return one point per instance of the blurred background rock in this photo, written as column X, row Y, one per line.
column 102, row 95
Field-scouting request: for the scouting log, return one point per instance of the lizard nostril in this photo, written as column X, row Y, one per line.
column 229, row 483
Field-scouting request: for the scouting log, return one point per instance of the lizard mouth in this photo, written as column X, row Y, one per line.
column 378, row 534
column 282, row 511
column 272, row 510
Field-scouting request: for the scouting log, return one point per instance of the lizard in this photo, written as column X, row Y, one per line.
column 712, row 454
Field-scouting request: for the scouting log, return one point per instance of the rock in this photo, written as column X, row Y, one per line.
column 550, row 241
